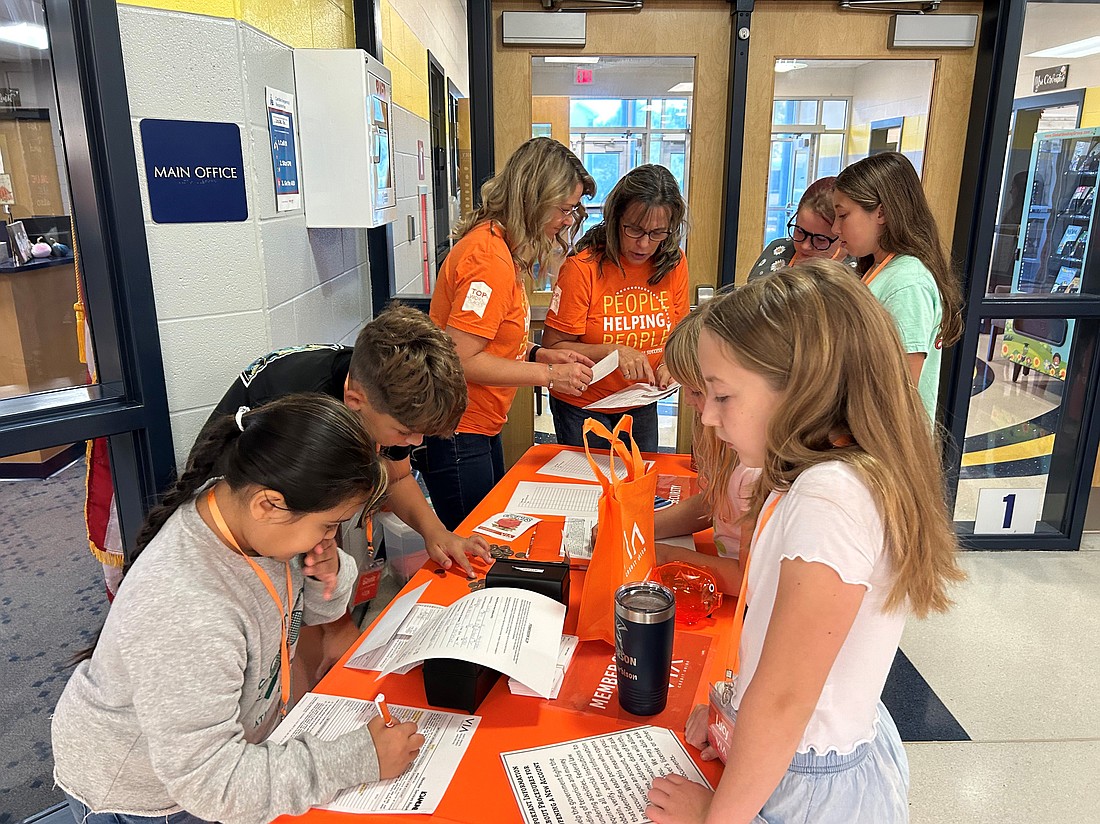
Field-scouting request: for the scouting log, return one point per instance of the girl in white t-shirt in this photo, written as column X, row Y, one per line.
column 806, row 378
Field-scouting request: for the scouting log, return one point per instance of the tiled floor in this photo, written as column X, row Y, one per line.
column 1016, row 662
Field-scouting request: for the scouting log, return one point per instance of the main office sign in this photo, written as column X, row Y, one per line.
column 195, row 171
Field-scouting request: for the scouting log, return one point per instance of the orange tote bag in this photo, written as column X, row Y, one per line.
column 623, row 551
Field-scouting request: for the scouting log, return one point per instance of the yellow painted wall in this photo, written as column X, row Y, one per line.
column 913, row 133
column 407, row 60
column 859, row 141
column 310, row 24
column 1090, row 116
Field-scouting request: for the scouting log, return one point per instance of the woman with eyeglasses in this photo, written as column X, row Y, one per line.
column 809, row 233
column 623, row 291
column 529, row 212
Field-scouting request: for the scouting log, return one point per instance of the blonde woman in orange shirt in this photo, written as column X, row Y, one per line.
column 624, row 291
column 529, row 211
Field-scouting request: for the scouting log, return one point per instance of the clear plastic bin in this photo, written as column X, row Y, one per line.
column 405, row 552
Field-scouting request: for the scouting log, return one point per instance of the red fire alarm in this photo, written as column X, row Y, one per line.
column 582, row 77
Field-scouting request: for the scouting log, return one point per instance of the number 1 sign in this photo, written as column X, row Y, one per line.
column 1007, row 511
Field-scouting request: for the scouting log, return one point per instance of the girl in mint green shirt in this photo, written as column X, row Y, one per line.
column 883, row 219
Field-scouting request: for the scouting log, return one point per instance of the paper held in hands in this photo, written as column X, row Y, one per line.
column 513, row 631
column 638, row 394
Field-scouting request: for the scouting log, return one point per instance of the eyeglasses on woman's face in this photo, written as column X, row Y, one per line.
column 656, row 235
column 800, row 235
column 569, row 211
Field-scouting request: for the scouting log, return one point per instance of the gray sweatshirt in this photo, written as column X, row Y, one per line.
column 173, row 709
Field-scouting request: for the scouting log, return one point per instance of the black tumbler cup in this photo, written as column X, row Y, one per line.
column 644, row 614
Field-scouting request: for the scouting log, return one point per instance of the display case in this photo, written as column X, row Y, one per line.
column 1059, row 220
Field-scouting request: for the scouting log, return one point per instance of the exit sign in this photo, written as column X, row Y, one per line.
column 582, row 77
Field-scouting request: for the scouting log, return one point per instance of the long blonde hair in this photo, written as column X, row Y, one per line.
column 889, row 180
column 818, row 335
column 714, row 457
column 522, row 197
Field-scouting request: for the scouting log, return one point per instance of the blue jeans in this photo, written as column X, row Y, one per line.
column 569, row 425
column 459, row 472
column 84, row 815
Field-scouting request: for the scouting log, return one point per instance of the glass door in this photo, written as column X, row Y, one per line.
column 81, row 377
column 1024, row 418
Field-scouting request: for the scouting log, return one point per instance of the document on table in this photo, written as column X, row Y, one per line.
column 380, row 657
column 575, row 465
column 565, row 656
column 388, row 624
column 639, row 394
column 599, row 780
column 417, row 790
column 576, row 539
column 538, row 498
column 513, row 631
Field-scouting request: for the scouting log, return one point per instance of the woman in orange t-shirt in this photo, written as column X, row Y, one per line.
column 528, row 211
column 624, row 291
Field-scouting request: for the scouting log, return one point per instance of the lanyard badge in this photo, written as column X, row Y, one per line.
column 284, row 611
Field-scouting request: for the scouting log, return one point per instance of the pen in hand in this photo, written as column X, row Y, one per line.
column 383, row 710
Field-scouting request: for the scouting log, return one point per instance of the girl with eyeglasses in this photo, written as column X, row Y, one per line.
column 882, row 217
column 529, row 212
column 623, row 291
column 810, row 233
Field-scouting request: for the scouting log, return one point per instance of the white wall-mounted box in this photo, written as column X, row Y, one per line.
column 541, row 28
column 345, row 129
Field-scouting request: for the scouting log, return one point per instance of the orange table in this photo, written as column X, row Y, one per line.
column 480, row 792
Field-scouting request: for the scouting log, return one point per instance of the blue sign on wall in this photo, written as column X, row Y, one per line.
column 195, row 171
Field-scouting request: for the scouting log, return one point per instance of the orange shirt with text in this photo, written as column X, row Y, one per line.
column 477, row 292
column 619, row 307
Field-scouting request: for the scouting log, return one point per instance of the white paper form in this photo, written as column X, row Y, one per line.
column 389, row 623
column 575, row 465
column 639, row 394
column 599, row 780
column 417, row 790
column 605, row 366
column 510, row 630
column 381, row 657
column 565, row 657
column 536, row 498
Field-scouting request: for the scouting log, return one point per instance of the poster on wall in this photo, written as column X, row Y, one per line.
column 284, row 151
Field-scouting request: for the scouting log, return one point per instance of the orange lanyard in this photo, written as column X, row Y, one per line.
column 874, row 273
column 799, row 257
column 284, row 645
column 734, row 657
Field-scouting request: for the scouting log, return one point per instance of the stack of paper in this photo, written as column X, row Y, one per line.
column 565, row 656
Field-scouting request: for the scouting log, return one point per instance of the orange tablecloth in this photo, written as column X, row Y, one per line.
column 480, row 792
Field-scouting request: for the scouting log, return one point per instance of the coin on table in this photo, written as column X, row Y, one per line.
column 476, row 585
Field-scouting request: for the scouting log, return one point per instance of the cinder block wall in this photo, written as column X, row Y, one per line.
column 229, row 292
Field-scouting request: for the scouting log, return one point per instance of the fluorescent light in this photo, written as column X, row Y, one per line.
column 1078, row 48
column 784, row 66
column 25, row 34
column 571, row 60
column 682, row 87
